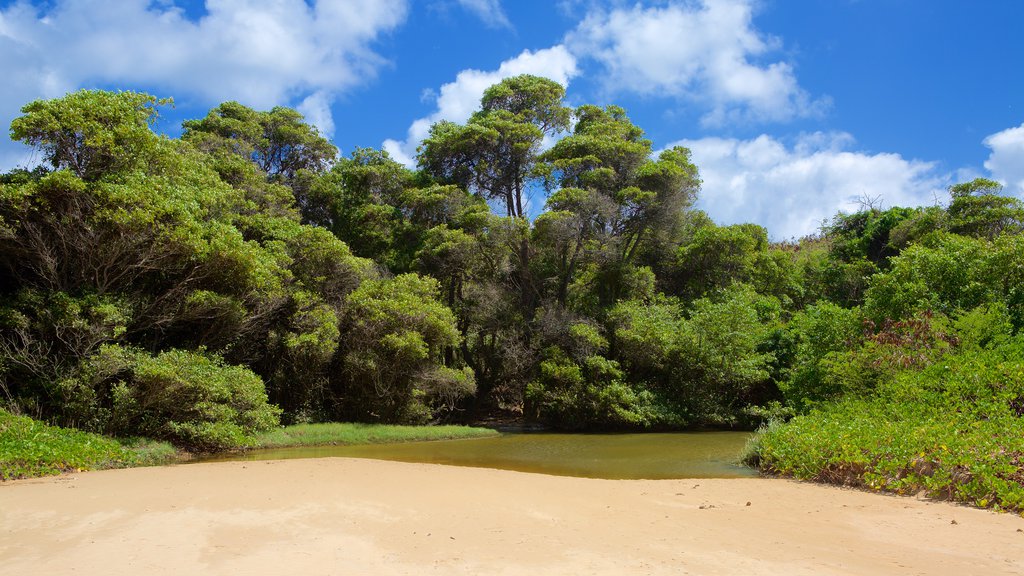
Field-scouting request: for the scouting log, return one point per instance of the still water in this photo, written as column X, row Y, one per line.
column 612, row 456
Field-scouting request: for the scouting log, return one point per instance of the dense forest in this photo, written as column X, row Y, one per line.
column 204, row 288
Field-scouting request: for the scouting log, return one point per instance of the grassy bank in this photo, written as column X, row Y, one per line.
column 954, row 431
column 338, row 433
column 30, row 448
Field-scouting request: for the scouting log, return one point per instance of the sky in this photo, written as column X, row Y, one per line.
column 793, row 109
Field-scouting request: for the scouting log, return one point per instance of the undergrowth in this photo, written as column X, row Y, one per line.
column 953, row 431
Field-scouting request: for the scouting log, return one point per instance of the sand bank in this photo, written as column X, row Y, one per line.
column 345, row 516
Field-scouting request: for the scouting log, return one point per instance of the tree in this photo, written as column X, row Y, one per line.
column 279, row 142
column 152, row 247
column 978, row 210
column 495, row 152
column 719, row 256
column 90, row 132
column 390, row 368
column 613, row 197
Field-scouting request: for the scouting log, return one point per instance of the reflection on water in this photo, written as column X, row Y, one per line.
column 613, row 456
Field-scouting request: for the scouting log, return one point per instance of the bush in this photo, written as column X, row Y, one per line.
column 391, row 363
column 954, row 430
column 191, row 399
column 821, row 332
column 31, row 448
column 703, row 369
column 588, row 394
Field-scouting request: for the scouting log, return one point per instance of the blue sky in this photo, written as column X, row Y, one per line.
column 794, row 109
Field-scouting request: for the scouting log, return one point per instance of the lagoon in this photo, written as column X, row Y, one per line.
column 610, row 456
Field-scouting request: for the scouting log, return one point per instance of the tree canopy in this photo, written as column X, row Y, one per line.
column 203, row 288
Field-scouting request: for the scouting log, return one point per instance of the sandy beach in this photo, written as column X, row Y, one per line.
column 339, row 516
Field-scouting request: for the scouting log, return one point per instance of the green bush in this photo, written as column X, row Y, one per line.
column 588, row 394
column 954, row 430
column 822, row 332
column 191, row 399
column 30, row 448
column 701, row 369
column 196, row 401
column 391, row 362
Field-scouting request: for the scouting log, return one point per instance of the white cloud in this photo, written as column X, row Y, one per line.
column 261, row 53
column 317, row 109
column 490, row 11
column 457, row 100
column 706, row 52
column 1006, row 161
column 791, row 190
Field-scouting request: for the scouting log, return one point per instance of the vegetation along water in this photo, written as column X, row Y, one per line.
column 203, row 290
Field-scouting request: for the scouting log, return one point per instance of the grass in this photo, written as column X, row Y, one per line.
column 954, row 431
column 338, row 433
column 30, row 448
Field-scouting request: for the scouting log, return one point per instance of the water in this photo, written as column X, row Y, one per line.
column 611, row 456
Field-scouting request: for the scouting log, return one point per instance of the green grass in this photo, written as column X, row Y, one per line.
column 954, row 431
column 31, row 448
column 348, row 433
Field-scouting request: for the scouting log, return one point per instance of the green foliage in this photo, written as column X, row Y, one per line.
column 397, row 335
column 342, row 433
column 867, row 235
column 821, row 333
column 91, row 133
column 704, row 368
column 278, row 142
column 719, row 256
column 949, row 274
column 953, row 430
column 494, row 153
column 185, row 249
column 31, row 448
column 615, row 207
column 191, row 399
column 192, row 289
column 978, row 210
column 587, row 395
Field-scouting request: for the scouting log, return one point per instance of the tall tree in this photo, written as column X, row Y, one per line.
column 620, row 198
column 91, row 133
column 495, row 153
column 977, row 209
column 279, row 142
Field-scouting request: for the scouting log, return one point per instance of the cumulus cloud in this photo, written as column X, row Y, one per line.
column 490, row 11
column 1006, row 161
column 259, row 53
column 457, row 100
column 790, row 190
column 706, row 52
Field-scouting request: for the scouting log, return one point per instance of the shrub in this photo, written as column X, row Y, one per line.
column 391, row 362
column 588, row 394
column 821, row 332
column 191, row 399
column 31, row 448
column 954, row 430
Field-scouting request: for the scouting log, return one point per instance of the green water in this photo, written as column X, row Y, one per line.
column 612, row 456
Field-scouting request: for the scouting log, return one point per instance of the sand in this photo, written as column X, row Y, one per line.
column 341, row 516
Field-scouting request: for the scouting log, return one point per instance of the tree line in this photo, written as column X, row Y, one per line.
column 204, row 288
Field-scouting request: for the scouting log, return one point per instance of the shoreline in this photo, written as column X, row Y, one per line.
column 340, row 516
